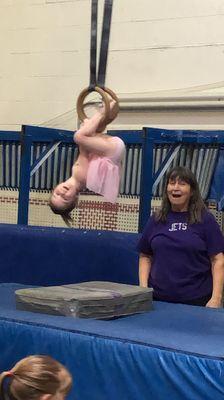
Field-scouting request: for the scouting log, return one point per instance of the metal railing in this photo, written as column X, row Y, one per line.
column 39, row 158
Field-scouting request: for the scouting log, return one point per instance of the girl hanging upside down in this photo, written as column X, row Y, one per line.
column 98, row 166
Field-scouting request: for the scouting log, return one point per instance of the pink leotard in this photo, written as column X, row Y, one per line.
column 104, row 173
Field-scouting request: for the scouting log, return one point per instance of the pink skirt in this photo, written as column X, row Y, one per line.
column 104, row 173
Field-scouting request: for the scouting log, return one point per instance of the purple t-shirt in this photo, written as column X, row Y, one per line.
column 181, row 267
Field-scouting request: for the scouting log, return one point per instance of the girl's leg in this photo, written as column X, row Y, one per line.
column 88, row 137
column 97, row 124
column 99, row 144
column 92, row 126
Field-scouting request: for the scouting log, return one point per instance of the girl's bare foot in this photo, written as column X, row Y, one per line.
column 98, row 123
column 114, row 109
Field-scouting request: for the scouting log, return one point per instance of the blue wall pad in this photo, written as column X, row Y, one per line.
column 55, row 256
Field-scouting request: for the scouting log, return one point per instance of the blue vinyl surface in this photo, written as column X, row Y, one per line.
column 175, row 350
column 42, row 255
column 193, row 330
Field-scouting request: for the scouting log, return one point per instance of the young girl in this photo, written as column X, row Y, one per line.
column 98, row 167
column 35, row 378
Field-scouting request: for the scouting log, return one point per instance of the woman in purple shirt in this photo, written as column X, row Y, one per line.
column 182, row 246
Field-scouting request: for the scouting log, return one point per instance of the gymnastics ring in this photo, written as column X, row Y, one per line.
column 103, row 92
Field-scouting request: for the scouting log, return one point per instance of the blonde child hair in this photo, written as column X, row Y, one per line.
column 35, row 377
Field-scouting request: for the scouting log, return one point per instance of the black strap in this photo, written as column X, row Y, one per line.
column 98, row 79
column 93, row 44
column 105, row 36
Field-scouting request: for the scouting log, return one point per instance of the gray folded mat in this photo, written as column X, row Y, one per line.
column 98, row 299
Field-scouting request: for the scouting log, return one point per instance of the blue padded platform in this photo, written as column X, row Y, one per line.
column 174, row 352
column 56, row 256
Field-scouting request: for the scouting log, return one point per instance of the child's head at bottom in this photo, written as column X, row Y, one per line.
column 35, row 378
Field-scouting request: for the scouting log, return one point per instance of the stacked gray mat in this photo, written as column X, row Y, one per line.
column 96, row 299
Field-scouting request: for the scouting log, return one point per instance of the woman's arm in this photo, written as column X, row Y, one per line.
column 144, row 269
column 218, row 281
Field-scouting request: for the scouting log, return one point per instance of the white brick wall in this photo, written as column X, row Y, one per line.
column 162, row 48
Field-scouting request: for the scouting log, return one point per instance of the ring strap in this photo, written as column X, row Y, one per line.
column 93, row 44
column 105, row 36
column 97, row 78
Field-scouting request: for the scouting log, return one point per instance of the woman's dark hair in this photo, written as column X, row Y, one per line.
column 34, row 376
column 196, row 204
column 65, row 213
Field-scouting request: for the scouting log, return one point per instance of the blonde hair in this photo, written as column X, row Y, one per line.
column 34, row 376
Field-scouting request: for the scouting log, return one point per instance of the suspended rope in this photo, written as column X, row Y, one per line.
column 97, row 78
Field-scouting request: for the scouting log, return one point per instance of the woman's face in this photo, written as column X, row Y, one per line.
column 179, row 194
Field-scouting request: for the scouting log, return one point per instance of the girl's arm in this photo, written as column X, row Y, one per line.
column 144, row 269
column 218, row 280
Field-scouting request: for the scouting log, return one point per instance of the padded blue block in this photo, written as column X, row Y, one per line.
column 55, row 256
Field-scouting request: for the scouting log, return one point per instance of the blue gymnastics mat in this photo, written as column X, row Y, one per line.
column 174, row 352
